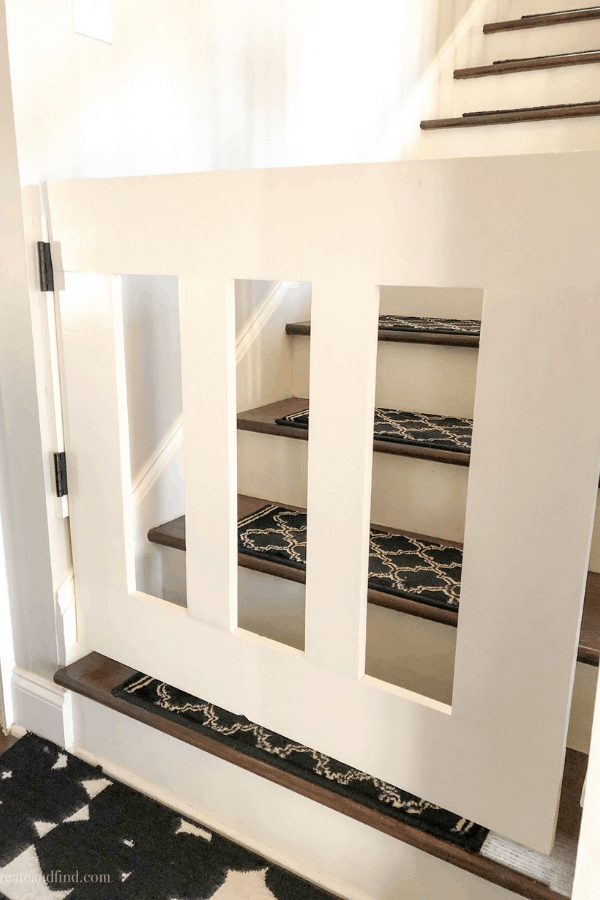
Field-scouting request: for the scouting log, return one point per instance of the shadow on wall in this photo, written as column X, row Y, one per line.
column 153, row 366
column 154, row 391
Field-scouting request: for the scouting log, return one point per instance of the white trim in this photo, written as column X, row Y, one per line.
column 39, row 705
column 260, row 318
column 339, row 853
column 65, row 619
column 158, row 462
column 173, row 440
column 410, row 113
column 39, row 687
column 7, row 650
column 65, row 593
column 17, row 731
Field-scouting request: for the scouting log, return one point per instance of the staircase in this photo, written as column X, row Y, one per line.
column 426, row 368
column 535, row 73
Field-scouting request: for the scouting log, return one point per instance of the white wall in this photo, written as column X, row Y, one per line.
column 192, row 86
column 151, row 316
column 26, row 590
column 153, row 367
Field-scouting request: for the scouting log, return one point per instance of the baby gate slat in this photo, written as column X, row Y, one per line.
column 97, row 432
column 343, row 355
column 533, row 486
column 207, row 311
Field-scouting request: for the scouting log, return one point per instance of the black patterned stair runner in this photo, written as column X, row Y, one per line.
column 401, row 427
column 430, row 324
column 66, row 829
column 247, row 737
column 403, row 566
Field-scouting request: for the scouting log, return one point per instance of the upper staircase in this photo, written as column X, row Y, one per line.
column 543, row 75
column 561, row 17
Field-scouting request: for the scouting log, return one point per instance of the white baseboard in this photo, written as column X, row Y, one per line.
column 348, row 858
column 18, row 731
column 39, row 706
column 202, row 816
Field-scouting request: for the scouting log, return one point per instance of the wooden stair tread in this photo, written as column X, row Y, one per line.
column 6, row 741
column 403, row 337
column 505, row 67
column 262, row 420
column 95, row 676
column 544, row 19
column 506, row 117
column 172, row 534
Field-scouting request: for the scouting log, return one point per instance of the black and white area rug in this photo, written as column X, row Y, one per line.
column 69, row 831
column 403, row 566
column 238, row 732
column 400, row 427
column 430, row 324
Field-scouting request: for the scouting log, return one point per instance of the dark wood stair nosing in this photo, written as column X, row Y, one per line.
column 402, row 337
column 95, row 676
column 543, row 20
column 529, row 65
column 472, row 120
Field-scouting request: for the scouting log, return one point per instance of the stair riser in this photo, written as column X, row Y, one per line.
column 514, row 9
column 554, row 136
column 411, row 494
column 272, row 467
column 571, row 84
column 413, row 653
column 417, row 377
column 349, row 858
column 541, row 41
column 449, row 303
column 427, row 379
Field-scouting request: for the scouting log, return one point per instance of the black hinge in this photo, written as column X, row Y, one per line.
column 45, row 266
column 60, row 473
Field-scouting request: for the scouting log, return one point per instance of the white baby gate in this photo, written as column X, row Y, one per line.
column 525, row 229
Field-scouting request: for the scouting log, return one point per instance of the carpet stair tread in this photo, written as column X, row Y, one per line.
column 506, row 66
column 449, row 445
column 509, row 116
column 422, row 598
column 416, row 330
column 240, row 733
column 502, row 862
column 544, row 19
